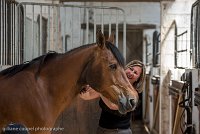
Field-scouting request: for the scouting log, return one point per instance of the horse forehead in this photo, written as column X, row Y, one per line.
column 107, row 54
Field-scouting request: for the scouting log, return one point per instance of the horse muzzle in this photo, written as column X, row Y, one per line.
column 127, row 104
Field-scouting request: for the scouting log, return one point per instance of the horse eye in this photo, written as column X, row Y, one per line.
column 113, row 66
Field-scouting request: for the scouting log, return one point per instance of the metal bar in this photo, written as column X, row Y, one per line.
column 24, row 34
column 68, row 5
column 17, row 34
column 1, row 34
column 95, row 25
column 187, row 55
column 58, row 24
column 1, row 31
column 20, row 37
column 193, row 35
column 181, row 34
column 196, row 42
column 117, row 36
column 198, row 38
column 110, row 23
column 48, row 28
column 79, row 18
column 87, row 26
column 64, row 32
column 40, row 33
column 180, row 51
column 170, row 115
column 5, row 32
column 102, row 21
column 12, row 31
column 20, row 46
column 72, row 20
column 57, row 29
column 180, row 67
column 66, row 48
column 11, row 35
column 179, row 45
column 9, row 31
column 124, row 37
column 4, row 36
column 33, row 31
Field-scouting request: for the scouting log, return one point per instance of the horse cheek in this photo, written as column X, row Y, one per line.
column 94, row 79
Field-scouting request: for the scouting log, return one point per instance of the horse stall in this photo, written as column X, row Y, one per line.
column 151, row 93
column 32, row 29
column 178, row 113
column 75, row 31
column 11, row 53
column 195, row 119
column 41, row 25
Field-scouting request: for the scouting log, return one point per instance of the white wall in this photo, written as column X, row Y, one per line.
column 179, row 12
column 136, row 12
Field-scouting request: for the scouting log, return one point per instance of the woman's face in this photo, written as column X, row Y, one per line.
column 133, row 73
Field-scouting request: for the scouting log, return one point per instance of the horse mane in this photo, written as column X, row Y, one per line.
column 9, row 72
column 115, row 51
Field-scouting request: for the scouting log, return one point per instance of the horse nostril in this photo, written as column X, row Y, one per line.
column 133, row 103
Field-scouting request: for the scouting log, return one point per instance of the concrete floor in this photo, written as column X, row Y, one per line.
column 138, row 127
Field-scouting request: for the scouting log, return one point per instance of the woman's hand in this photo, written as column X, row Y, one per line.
column 88, row 93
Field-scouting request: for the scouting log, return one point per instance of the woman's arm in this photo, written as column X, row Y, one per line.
column 92, row 94
column 89, row 94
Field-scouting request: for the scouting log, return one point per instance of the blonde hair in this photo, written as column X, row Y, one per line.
column 140, row 82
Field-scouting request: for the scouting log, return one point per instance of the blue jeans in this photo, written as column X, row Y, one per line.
column 101, row 130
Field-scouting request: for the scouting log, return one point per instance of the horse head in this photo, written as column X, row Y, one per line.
column 106, row 75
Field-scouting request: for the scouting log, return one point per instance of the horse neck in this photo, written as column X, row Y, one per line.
column 63, row 75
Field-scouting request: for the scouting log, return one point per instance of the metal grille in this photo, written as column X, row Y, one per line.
column 195, row 30
column 182, row 51
column 10, row 52
column 148, row 51
column 61, row 27
column 156, row 49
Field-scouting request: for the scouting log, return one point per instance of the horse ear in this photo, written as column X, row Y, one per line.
column 111, row 39
column 100, row 39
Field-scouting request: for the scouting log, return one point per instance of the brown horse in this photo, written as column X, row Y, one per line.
column 35, row 93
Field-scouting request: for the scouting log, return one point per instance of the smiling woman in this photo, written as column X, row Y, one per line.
column 111, row 120
column 134, row 67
